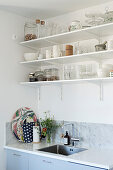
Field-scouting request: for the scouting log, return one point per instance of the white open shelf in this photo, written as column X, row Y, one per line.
column 74, row 36
column 101, row 55
column 77, row 35
column 62, row 82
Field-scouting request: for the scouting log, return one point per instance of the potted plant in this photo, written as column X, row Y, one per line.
column 49, row 126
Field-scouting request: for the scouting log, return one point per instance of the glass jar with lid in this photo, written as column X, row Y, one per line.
column 54, row 74
column 51, row 74
column 47, row 74
column 42, row 29
column 31, row 77
column 38, row 22
column 39, row 75
column 30, row 31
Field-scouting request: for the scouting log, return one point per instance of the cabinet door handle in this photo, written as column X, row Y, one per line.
column 16, row 154
column 72, row 162
column 49, row 162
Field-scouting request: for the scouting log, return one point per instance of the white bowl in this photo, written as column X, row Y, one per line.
column 30, row 56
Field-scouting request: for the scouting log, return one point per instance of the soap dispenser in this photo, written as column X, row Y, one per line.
column 66, row 139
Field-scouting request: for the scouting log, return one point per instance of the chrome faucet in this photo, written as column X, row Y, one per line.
column 73, row 139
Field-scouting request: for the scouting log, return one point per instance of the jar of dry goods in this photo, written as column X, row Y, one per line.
column 54, row 74
column 47, row 74
column 39, row 75
column 30, row 31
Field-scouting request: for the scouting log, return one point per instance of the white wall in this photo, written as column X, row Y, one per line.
column 12, row 95
column 81, row 102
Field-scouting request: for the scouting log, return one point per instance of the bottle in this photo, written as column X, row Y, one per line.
column 66, row 139
column 42, row 29
column 38, row 27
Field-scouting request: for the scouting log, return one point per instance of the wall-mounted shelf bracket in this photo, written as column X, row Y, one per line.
column 38, row 98
column 101, row 91
column 61, row 92
column 39, row 93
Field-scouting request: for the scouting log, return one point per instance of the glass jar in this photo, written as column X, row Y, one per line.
column 31, row 77
column 30, row 31
column 75, row 25
column 38, row 27
column 48, row 29
column 54, row 74
column 39, row 75
column 47, row 74
column 42, row 29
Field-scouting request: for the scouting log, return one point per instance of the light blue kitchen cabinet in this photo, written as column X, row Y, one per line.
column 16, row 160
column 22, row 161
column 41, row 163
column 65, row 165
column 44, row 163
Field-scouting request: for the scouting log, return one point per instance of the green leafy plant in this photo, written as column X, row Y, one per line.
column 49, row 125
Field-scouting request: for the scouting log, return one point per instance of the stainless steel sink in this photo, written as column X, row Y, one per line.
column 62, row 149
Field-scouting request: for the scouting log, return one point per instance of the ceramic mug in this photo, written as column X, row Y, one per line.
column 48, row 54
column 30, row 56
column 56, row 51
column 40, row 57
column 110, row 45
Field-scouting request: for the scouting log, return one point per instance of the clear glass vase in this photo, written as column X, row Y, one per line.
column 48, row 138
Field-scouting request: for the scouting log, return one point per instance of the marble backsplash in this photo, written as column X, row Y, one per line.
column 91, row 135
column 10, row 138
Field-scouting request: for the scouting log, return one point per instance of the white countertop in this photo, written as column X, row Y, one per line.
column 91, row 157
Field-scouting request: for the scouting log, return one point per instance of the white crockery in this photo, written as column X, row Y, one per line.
column 40, row 57
column 30, row 56
column 110, row 45
column 56, row 51
column 48, row 54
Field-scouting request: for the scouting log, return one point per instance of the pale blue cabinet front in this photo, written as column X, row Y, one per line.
column 16, row 160
column 44, row 163
column 65, row 165
column 22, row 161
column 41, row 163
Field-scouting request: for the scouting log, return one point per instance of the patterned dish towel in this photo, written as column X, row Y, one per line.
column 28, row 132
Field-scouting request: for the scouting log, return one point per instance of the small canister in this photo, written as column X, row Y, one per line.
column 47, row 74
column 69, row 50
column 39, row 75
column 30, row 31
column 31, row 77
column 54, row 74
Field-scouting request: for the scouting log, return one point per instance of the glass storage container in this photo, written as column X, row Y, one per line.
column 39, row 75
column 30, row 31
column 42, row 29
column 47, row 74
column 38, row 27
column 54, row 74
column 75, row 25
